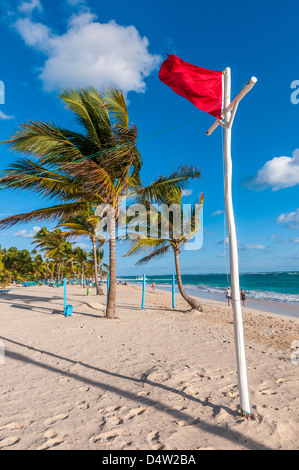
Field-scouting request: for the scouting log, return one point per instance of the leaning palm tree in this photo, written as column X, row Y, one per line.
column 85, row 224
column 174, row 232
column 99, row 166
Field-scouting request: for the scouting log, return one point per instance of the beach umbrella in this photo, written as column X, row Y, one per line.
column 210, row 91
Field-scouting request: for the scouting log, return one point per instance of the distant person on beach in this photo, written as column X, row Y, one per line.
column 153, row 286
column 228, row 295
column 243, row 297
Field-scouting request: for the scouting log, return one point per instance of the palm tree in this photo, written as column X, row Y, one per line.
column 170, row 239
column 5, row 276
column 39, row 268
column 81, row 259
column 103, row 267
column 20, row 265
column 42, row 243
column 70, row 257
column 85, row 224
column 100, row 166
column 58, row 249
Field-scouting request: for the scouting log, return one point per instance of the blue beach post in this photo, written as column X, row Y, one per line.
column 68, row 309
column 108, row 284
column 173, row 291
column 143, row 292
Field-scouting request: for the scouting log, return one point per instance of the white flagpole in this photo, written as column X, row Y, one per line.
column 233, row 247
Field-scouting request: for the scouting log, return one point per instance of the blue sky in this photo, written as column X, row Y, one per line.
column 47, row 45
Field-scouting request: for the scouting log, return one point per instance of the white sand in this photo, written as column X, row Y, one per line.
column 153, row 379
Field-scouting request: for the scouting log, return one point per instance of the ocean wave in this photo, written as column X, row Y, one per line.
column 256, row 295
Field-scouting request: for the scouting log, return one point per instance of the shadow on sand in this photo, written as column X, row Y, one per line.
column 221, row 431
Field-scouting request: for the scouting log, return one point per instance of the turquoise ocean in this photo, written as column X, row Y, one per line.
column 278, row 288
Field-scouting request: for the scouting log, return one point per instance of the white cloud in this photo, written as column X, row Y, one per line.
column 225, row 241
column 290, row 219
column 28, row 234
column 30, row 6
column 278, row 173
column 186, row 192
column 74, row 3
column 252, row 246
column 244, row 247
column 90, row 53
column 35, row 35
column 294, row 240
column 219, row 212
column 5, row 117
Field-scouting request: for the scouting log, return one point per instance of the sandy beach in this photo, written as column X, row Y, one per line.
column 150, row 380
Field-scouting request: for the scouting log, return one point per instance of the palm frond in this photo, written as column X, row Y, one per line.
column 46, row 141
column 28, row 175
column 116, row 104
column 154, row 255
column 168, row 188
column 90, row 111
column 47, row 214
column 145, row 244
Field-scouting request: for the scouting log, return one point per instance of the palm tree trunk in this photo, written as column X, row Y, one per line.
column 47, row 275
column 73, row 268
column 110, row 312
column 62, row 268
column 96, row 276
column 194, row 303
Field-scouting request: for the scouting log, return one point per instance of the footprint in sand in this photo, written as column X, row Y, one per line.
column 51, row 443
column 267, row 391
column 143, row 393
column 114, row 420
column 11, row 426
column 50, row 434
column 154, row 442
column 129, row 446
column 105, row 437
column 9, row 441
column 134, row 412
column 110, row 410
column 188, row 422
column 83, row 406
column 53, row 420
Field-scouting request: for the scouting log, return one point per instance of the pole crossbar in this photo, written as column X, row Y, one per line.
column 232, row 106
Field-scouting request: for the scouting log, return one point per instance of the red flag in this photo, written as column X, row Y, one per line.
column 202, row 87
